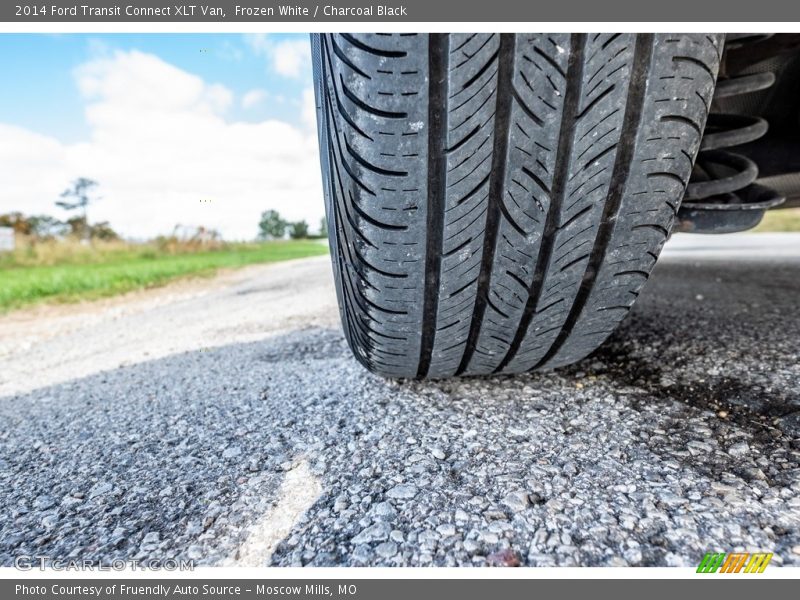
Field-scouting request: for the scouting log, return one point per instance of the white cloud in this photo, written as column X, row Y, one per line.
column 253, row 98
column 134, row 80
column 258, row 42
column 290, row 58
column 158, row 145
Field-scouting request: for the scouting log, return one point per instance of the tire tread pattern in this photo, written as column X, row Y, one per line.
column 497, row 201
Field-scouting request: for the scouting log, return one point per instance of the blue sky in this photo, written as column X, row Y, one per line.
column 41, row 94
column 178, row 129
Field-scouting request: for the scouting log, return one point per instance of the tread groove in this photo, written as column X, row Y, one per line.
column 376, row 51
column 565, row 140
column 634, row 106
column 438, row 59
column 505, row 56
column 350, row 95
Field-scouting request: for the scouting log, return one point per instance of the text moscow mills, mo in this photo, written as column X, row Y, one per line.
column 203, row 10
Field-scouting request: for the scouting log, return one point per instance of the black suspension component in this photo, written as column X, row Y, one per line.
column 721, row 196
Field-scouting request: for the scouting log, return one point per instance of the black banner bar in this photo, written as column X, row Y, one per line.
column 400, row 11
column 714, row 586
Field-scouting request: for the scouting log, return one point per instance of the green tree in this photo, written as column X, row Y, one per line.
column 37, row 226
column 78, row 197
column 103, row 231
column 271, row 225
column 18, row 222
column 46, row 227
column 298, row 230
column 79, row 228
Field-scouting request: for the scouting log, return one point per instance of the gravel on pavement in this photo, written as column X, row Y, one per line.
column 226, row 422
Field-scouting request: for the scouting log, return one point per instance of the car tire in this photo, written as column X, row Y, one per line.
column 497, row 201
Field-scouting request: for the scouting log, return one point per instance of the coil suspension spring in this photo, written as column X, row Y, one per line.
column 723, row 180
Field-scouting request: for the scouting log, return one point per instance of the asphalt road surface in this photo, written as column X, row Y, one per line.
column 225, row 421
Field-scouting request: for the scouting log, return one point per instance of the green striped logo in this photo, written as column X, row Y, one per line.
column 721, row 562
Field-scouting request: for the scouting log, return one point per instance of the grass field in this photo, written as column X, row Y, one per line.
column 783, row 219
column 68, row 272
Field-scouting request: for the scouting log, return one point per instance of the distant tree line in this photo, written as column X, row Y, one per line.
column 78, row 197
column 274, row 227
column 75, row 199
